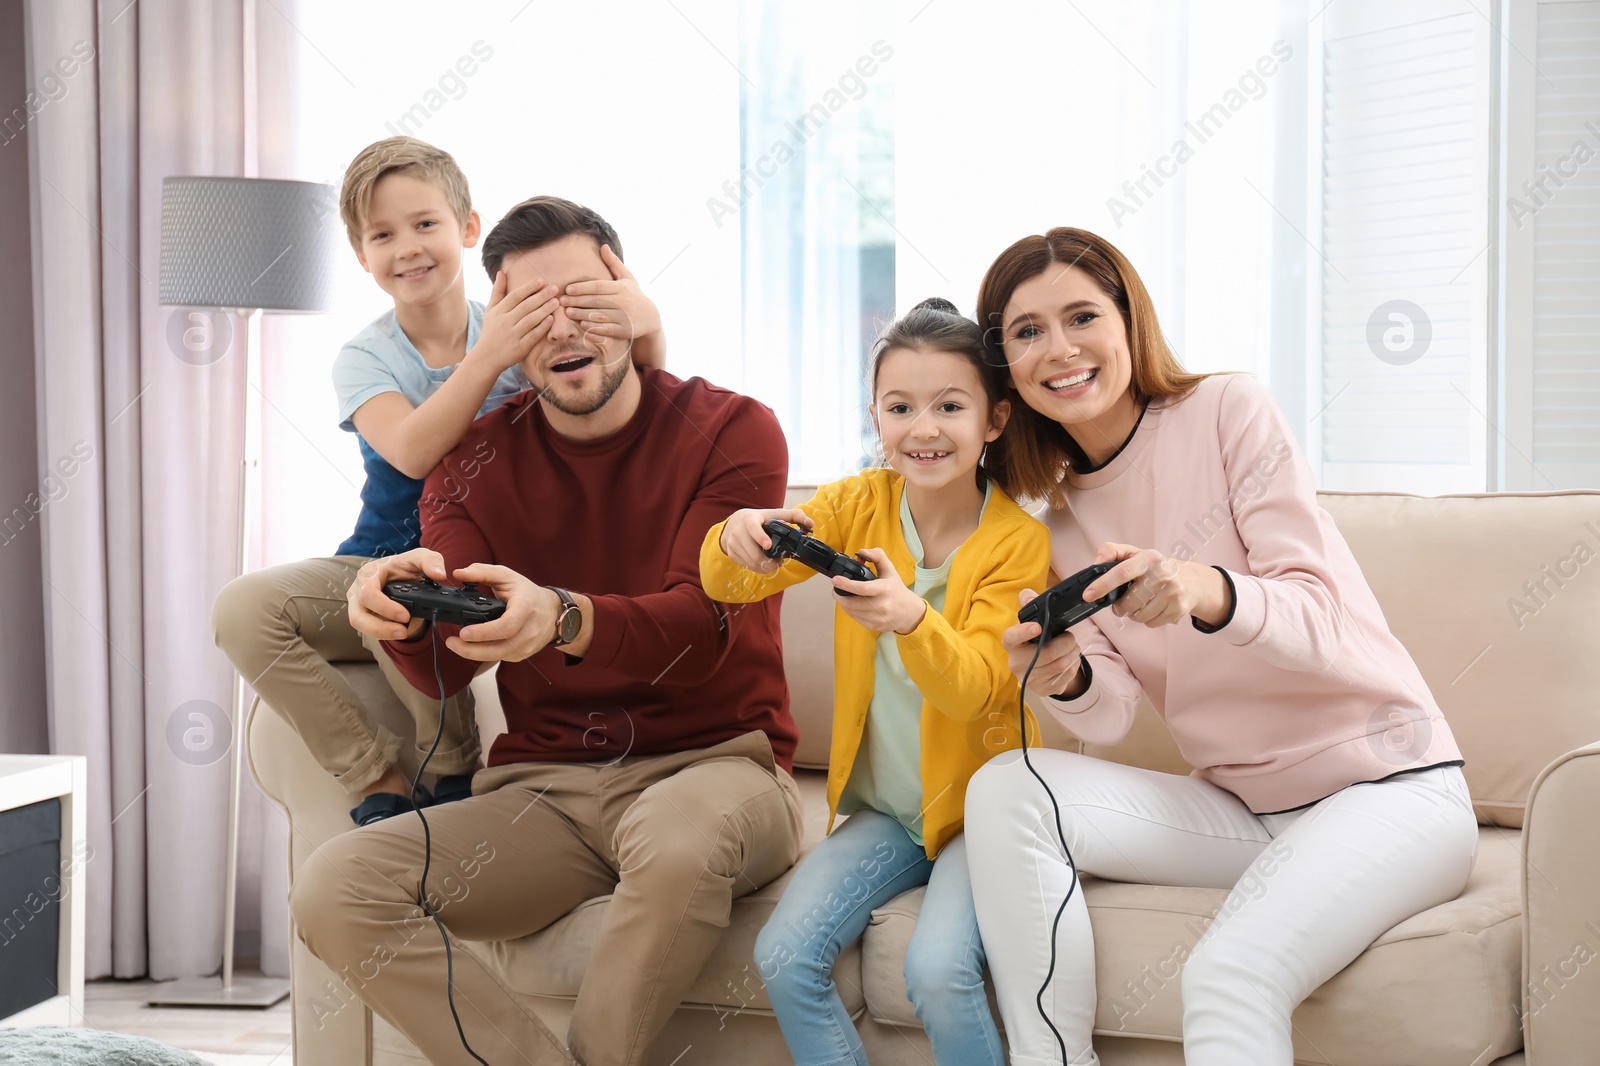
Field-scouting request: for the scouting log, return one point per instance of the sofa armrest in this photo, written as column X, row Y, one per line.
column 330, row 1026
column 1561, row 910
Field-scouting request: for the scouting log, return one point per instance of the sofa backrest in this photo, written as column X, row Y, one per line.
column 1496, row 596
column 807, row 621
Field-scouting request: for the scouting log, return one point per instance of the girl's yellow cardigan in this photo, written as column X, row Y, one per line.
column 970, row 696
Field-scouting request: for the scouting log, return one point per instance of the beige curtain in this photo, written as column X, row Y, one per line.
column 136, row 550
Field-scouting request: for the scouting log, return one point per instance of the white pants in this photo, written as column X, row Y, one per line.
column 1312, row 889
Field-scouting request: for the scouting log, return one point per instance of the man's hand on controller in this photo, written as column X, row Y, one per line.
column 746, row 543
column 883, row 604
column 373, row 613
column 527, row 627
column 1057, row 671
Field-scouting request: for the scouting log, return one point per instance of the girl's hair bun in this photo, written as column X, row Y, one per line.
column 937, row 303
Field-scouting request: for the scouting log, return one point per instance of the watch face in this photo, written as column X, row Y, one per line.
column 571, row 623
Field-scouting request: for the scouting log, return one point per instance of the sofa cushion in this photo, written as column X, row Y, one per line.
column 807, row 620
column 551, row 962
column 1439, row 988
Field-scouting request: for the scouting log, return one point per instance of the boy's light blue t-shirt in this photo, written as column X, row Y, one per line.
column 379, row 359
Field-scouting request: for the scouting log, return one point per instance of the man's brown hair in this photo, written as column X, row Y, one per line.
column 542, row 220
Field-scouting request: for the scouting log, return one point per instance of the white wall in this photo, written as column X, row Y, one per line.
column 643, row 133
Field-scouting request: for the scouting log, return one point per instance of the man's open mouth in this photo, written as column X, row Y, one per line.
column 569, row 364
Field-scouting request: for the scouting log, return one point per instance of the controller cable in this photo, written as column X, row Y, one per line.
column 1022, row 707
column 429, row 909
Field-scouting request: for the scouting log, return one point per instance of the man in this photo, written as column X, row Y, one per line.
column 649, row 736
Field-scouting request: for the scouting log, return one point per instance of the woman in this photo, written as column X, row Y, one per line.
column 1328, row 793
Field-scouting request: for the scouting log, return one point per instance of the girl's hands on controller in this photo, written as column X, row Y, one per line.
column 883, row 604
column 1057, row 671
column 746, row 543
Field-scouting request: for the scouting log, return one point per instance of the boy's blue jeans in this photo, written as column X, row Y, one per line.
column 863, row 864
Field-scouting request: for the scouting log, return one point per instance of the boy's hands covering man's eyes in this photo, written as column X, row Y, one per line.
column 618, row 308
column 514, row 322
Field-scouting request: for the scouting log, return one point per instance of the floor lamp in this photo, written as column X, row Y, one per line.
column 243, row 246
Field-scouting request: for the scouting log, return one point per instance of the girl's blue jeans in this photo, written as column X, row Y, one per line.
column 862, row 865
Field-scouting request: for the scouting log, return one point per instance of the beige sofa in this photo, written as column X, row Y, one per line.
column 1496, row 596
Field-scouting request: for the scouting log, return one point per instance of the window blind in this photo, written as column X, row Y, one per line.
column 1403, row 235
column 1561, row 201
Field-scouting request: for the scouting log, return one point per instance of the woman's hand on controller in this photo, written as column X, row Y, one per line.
column 1165, row 590
column 883, row 604
column 746, row 543
column 373, row 613
column 1057, row 671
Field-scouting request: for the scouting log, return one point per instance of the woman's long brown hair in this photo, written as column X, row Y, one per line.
column 1036, row 450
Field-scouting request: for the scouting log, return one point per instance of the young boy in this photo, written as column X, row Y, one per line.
column 409, row 385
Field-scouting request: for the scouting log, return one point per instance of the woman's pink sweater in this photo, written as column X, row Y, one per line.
column 1304, row 690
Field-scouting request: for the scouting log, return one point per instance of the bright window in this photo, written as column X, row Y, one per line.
column 785, row 178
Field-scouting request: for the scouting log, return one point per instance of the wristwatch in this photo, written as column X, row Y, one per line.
column 569, row 623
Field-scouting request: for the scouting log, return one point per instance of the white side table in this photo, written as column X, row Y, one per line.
column 26, row 779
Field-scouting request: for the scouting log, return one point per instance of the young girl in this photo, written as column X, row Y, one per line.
column 923, row 695
column 1327, row 792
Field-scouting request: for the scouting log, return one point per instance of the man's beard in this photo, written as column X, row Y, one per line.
column 612, row 375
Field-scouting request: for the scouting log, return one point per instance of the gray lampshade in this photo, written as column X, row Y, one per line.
column 247, row 243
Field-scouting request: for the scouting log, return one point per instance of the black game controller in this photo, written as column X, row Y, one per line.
column 792, row 542
column 462, row 605
column 1066, row 602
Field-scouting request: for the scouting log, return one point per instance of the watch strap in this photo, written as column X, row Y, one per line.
column 569, row 610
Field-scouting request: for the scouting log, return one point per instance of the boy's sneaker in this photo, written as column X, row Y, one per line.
column 378, row 806
column 452, row 787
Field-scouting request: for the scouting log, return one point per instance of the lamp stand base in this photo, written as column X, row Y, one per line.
column 247, row 991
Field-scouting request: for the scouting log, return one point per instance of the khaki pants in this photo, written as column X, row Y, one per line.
column 674, row 839
column 284, row 627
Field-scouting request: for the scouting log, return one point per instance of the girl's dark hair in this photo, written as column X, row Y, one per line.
column 936, row 325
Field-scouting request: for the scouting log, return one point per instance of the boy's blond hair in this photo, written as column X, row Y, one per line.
column 399, row 155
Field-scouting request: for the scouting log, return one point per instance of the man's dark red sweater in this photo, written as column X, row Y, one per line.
column 619, row 520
